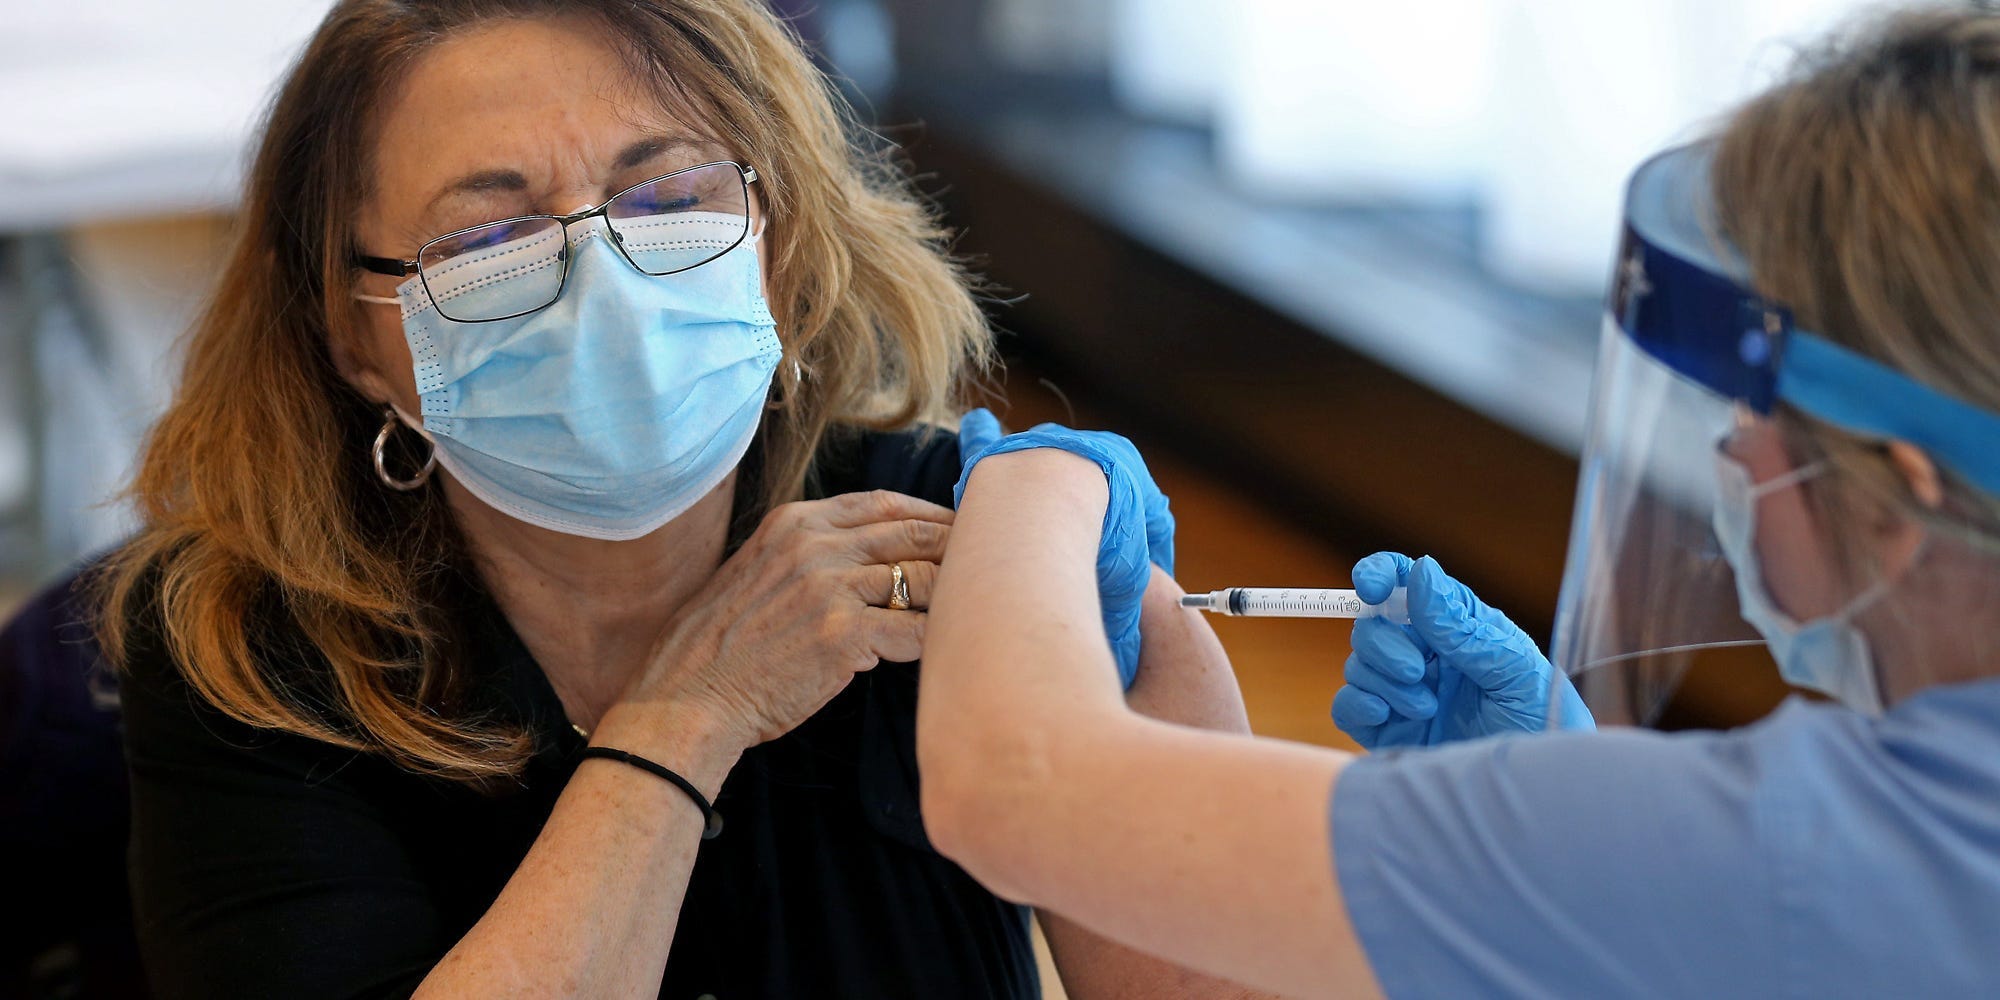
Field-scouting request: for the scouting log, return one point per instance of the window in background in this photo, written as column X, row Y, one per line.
column 1531, row 111
column 1316, row 107
column 118, row 163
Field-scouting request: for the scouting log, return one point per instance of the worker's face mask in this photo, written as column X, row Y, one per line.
column 1827, row 654
column 609, row 412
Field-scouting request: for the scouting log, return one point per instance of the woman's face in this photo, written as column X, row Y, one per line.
column 515, row 118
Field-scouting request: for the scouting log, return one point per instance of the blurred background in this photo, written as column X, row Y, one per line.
column 1335, row 264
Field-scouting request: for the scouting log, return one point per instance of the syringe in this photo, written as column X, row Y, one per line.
column 1299, row 602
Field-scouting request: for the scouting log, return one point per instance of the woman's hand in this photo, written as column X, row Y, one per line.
column 1138, row 529
column 790, row 618
column 1460, row 670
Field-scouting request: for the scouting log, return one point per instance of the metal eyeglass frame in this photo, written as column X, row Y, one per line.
column 398, row 268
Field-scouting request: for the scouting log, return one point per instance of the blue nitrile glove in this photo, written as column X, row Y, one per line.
column 1138, row 526
column 1460, row 670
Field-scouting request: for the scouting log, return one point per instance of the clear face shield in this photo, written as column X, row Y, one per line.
column 1687, row 351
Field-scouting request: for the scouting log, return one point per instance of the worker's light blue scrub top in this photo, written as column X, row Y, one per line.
column 1819, row 853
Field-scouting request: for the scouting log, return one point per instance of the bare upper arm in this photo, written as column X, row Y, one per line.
column 1212, row 847
column 1184, row 677
column 1184, row 674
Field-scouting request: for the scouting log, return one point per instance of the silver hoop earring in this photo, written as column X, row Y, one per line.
column 780, row 391
column 389, row 422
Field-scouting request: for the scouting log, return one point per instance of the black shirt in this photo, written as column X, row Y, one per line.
column 266, row 864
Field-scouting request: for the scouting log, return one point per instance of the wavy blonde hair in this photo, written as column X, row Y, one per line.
column 256, row 489
column 1864, row 192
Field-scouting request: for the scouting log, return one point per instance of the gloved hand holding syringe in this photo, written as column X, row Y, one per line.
column 1300, row 602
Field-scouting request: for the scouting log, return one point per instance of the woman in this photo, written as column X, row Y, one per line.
column 544, row 473
column 1832, row 850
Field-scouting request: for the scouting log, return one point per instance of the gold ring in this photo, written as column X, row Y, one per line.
column 899, row 588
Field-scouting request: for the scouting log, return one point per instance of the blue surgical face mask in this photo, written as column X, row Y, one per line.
column 613, row 410
column 1828, row 654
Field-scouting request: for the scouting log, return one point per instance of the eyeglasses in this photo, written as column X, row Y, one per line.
column 672, row 223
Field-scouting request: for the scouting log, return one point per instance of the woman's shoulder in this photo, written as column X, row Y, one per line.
column 162, row 703
column 919, row 461
column 145, row 651
column 132, row 624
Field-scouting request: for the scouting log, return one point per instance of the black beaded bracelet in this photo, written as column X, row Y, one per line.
column 711, row 820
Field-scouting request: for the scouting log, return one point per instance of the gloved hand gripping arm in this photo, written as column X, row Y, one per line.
column 1138, row 524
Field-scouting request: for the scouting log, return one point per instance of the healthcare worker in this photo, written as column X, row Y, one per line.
column 1795, row 435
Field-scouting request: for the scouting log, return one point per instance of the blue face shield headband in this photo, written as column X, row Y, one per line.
column 1685, row 301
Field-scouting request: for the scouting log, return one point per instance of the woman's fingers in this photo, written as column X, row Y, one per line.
column 1390, row 648
column 852, row 510
column 895, row 636
column 899, row 541
column 875, row 584
column 1378, row 574
column 801, row 607
column 1412, row 701
column 1355, row 709
column 977, row 430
